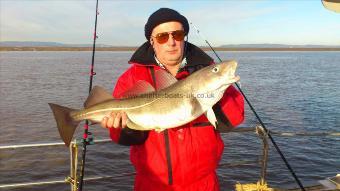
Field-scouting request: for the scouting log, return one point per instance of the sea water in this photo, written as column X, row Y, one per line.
column 295, row 92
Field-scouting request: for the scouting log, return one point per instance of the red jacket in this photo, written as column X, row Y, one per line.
column 181, row 158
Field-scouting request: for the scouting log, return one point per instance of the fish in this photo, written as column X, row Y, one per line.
column 174, row 103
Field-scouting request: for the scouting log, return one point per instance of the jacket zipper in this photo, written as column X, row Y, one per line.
column 166, row 135
column 168, row 156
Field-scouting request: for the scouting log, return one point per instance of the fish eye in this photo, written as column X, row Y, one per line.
column 215, row 69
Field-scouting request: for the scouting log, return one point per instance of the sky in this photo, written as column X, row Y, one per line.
column 121, row 23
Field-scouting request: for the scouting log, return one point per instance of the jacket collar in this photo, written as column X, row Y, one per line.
column 144, row 55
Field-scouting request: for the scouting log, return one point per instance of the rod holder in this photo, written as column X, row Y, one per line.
column 73, row 178
column 261, row 132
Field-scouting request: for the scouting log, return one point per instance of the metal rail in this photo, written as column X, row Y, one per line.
column 73, row 168
column 250, row 129
column 15, row 185
column 46, row 144
column 72, row 179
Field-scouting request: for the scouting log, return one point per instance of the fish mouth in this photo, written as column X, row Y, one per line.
column 231, row 80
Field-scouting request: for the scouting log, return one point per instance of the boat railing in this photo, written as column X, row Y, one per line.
column 73, row 177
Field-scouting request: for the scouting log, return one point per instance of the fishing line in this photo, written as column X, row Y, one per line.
column 86, row 125
column 257, row 116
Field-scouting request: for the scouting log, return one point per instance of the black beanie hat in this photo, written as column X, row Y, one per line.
column 164, row 15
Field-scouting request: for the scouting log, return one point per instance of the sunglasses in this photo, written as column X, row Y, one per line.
column 164, row 36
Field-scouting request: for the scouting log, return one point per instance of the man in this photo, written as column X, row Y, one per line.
column 181, row 158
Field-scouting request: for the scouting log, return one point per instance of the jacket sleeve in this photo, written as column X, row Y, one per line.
column 229, row 110
column 126, row 136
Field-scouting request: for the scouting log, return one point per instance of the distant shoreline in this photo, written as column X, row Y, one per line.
column 134, row 48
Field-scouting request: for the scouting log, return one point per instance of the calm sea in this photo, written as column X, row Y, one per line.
column 291, row 91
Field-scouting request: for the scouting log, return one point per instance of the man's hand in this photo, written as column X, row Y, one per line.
column 116, row 120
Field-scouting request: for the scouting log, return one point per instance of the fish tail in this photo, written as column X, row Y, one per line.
column 65, row 123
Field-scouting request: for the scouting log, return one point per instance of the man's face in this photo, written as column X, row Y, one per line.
column 171, row 52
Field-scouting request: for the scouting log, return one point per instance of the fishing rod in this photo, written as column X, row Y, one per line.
column 257, row 117
column 86, row 140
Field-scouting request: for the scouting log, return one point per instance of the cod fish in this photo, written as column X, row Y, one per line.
column 175, row 103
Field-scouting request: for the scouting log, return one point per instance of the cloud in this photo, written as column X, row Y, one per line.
column 122, row 22
column 39, row 20
column 119, row 23
column 221, row 20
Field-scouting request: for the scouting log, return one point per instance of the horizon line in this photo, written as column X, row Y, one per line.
column 51, row 48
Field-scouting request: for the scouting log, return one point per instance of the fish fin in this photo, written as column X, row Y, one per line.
column 97, row 95
column 196, row 109
column 211, row 117
column 140, row 87
column 66, row 125
column 164, row 79
column 130, row 124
